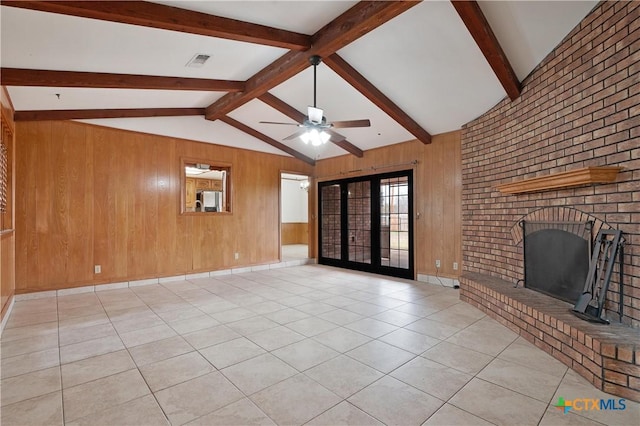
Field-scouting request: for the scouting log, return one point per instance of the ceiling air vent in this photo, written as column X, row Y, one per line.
column 198, row 60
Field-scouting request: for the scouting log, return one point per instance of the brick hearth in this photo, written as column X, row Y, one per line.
column 606, row 355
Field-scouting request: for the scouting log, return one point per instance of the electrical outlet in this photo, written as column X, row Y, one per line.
column 438, row 263
column 97, row 269
column 455, row 266
column 236, row 256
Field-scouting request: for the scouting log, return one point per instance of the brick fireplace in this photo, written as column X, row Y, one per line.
column 579, row 108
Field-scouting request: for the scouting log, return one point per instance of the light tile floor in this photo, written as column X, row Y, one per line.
column 307, row 344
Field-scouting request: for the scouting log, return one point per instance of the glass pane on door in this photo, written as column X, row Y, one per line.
column 359, row 221
column 394, row 222
column 331, row 246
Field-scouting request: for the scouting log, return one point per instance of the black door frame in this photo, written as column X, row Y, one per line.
column 375, row 265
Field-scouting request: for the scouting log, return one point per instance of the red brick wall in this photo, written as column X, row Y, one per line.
column 580, row 107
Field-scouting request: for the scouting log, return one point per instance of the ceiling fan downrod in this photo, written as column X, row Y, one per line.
column 314, row 60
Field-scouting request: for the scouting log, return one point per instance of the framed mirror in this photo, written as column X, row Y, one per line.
column 206, row 187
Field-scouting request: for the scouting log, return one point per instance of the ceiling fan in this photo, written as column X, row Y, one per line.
column 314, row 128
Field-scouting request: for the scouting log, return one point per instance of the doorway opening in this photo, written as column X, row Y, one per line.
column 366, row 223
column 294, row 217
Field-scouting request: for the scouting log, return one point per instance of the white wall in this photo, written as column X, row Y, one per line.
column 295, row 207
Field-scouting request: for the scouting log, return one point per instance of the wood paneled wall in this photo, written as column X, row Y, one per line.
column 7, row 236
column 437, row 195
column 97, row 196
column 295, row 233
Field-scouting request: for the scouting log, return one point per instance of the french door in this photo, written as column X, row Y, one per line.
column 366, row 223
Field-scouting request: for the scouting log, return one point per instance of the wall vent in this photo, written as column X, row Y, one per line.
column 198, row 60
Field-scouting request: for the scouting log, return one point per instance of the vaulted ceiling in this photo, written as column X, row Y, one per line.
column 413, row 69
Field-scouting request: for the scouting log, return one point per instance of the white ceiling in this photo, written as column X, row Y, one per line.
column 424, row 60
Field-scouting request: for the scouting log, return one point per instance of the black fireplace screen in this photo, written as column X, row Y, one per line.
column 556, row 257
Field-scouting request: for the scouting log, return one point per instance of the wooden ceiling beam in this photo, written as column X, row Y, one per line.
column 362, row 18
column 79, row 114
column 286, row 109
column 480, row 30
column 361, row 84
column 285, row 67
column 283, row 107
column 154, row 15
column 46, row 78
column 264, row 138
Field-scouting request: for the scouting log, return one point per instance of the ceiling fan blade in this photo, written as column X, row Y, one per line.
column 295, row 135
column 314, row 114
column 276, row 122
column 335, row 136
column 351, row 123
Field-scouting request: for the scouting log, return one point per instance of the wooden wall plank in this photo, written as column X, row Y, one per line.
column 136, row 239
column 79, row 182
column 26, row 225
column 457, row 190
column 448, row 222
column 437, row 199
column 50, row 240
column 147, row 216
column 104, row 206
column 168, row 181
column 423, row 187
column 295, row 233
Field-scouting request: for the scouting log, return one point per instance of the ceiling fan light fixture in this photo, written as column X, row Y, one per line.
column 324, row 137
column 314, row 124
column 315, row 137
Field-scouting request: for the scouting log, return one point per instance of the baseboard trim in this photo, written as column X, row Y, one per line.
column 154, row 281
column 443, row 281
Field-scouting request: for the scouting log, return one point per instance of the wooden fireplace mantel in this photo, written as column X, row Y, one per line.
column 578, row 177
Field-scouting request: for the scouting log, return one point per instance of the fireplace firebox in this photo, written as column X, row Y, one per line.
column 556, row 257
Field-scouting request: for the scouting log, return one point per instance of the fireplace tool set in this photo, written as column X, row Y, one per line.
column 590, row 305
